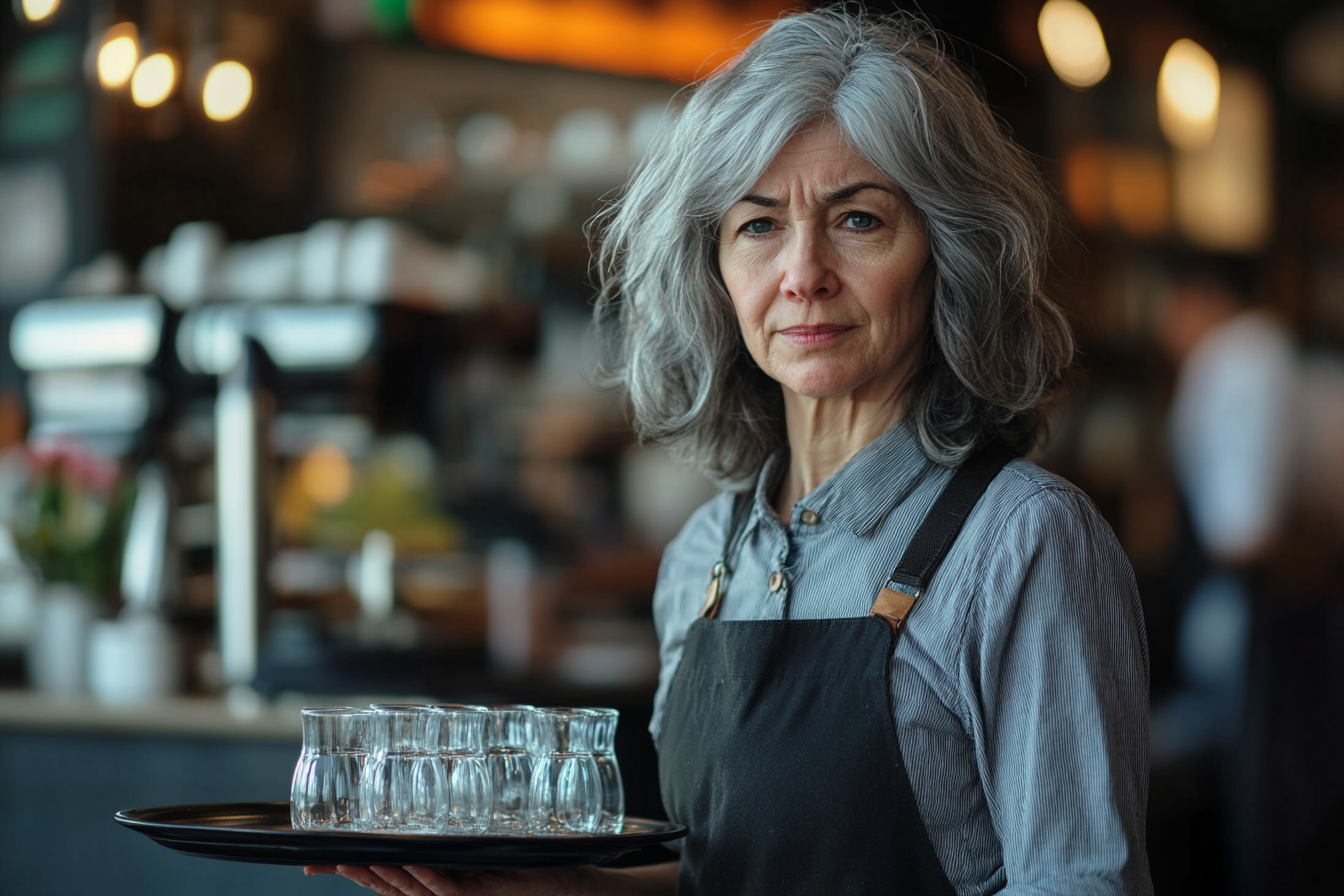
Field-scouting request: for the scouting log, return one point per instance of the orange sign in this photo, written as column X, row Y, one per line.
column 674, row 39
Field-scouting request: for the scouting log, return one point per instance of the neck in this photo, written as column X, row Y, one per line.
column 824, row 433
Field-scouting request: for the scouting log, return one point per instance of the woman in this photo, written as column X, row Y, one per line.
column 826, row 292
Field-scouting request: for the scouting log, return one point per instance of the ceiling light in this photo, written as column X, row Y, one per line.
column 1187, row 95
column 153, row 80
column 1073, row 42
column 118, row 55
column 227, row 90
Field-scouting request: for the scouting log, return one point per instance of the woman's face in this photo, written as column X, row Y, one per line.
column 828, row 268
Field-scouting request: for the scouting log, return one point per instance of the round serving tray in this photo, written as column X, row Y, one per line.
column 261, row 832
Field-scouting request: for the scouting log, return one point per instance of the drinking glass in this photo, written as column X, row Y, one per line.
column 566, row 791
column 464, row 805
column 508, row 755
column 404, row 781
column 603, row 728
column 326, row 791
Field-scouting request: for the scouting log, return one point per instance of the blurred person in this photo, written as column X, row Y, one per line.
column 1232, row 437
column 826, row 290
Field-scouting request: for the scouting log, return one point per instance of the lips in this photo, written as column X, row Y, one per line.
column 814, row 334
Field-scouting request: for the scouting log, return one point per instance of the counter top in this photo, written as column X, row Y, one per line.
column 207, row 717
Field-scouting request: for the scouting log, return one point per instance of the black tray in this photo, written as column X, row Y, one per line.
column 261, row 832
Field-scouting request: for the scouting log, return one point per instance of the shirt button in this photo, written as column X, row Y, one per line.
column 776, row 580
column 810, row 517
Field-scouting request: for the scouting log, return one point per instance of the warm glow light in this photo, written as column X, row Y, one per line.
column 227, row 90
column 153, row 80
column 1086, row 167
column 1073, row 42
column 1187, row 95
column 325, row 475
column 1140, row 192
column 1224, row 192
column 670, row 40
column 37, row 10
column 1127, row 186
column 118, row 55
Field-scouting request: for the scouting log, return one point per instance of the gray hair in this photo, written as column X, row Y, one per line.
column 997, row 346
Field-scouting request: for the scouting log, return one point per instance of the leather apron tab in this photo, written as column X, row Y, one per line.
column 893, row 606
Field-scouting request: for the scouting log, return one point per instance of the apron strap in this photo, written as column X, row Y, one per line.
column 714, row 593
column 935, row 535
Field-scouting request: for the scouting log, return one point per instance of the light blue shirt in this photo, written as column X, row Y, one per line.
column 1019, row 683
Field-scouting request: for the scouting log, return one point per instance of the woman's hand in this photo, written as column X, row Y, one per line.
column 420, row 881
column 414, row 880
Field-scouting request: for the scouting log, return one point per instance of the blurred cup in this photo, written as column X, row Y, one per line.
column 189, row 263
column 321, row 252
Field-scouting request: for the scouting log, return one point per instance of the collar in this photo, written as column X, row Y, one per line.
column 865, row 490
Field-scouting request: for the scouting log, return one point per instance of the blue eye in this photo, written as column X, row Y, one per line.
column 759, row 226
column 860, row 220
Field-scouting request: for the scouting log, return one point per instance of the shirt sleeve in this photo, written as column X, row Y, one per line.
column 1055, row 672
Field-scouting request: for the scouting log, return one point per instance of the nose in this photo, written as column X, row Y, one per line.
column 809, row 273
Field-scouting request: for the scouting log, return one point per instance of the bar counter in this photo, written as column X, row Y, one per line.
column 212, row 717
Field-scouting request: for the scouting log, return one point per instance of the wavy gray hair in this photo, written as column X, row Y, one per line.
column 996, row 347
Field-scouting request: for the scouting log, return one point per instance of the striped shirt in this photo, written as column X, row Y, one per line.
column 1019, row 683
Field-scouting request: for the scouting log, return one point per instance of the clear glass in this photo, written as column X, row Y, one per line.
column 566, row 791
column 608, row 770
column 464, row 806
column 326, row 791
column 404, row 782
column 510, row 741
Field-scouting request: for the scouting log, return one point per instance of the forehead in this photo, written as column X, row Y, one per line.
column 819, row 154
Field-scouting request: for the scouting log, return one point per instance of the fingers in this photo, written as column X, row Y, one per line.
column 434, row 881
column 383, row 880
column 418, row 880
column 310, row 870
column 403, row 882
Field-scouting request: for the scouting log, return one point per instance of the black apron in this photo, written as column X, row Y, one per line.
column 778, row 749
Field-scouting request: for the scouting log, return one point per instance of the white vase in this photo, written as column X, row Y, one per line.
column 132, row 659
column 58, row 652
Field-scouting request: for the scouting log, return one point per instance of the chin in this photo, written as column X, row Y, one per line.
column 823, row 386
column 821, row 381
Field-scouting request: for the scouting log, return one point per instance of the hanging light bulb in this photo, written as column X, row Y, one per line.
column 153, row 80
column 1073, row 43
column 1187, row 95
column 38, row 10
column 118, row 54
column 227, row 90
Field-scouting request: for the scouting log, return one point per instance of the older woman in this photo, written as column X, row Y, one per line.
column 897, row 658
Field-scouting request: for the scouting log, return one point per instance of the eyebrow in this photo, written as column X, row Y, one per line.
column 839, row 195
column 848, row 192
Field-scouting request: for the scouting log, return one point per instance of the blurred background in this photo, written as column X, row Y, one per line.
column 295, row 404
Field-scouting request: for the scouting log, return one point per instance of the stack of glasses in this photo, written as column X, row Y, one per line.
column 404, row 768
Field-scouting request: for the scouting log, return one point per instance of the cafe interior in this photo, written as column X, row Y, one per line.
column 298, row 406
